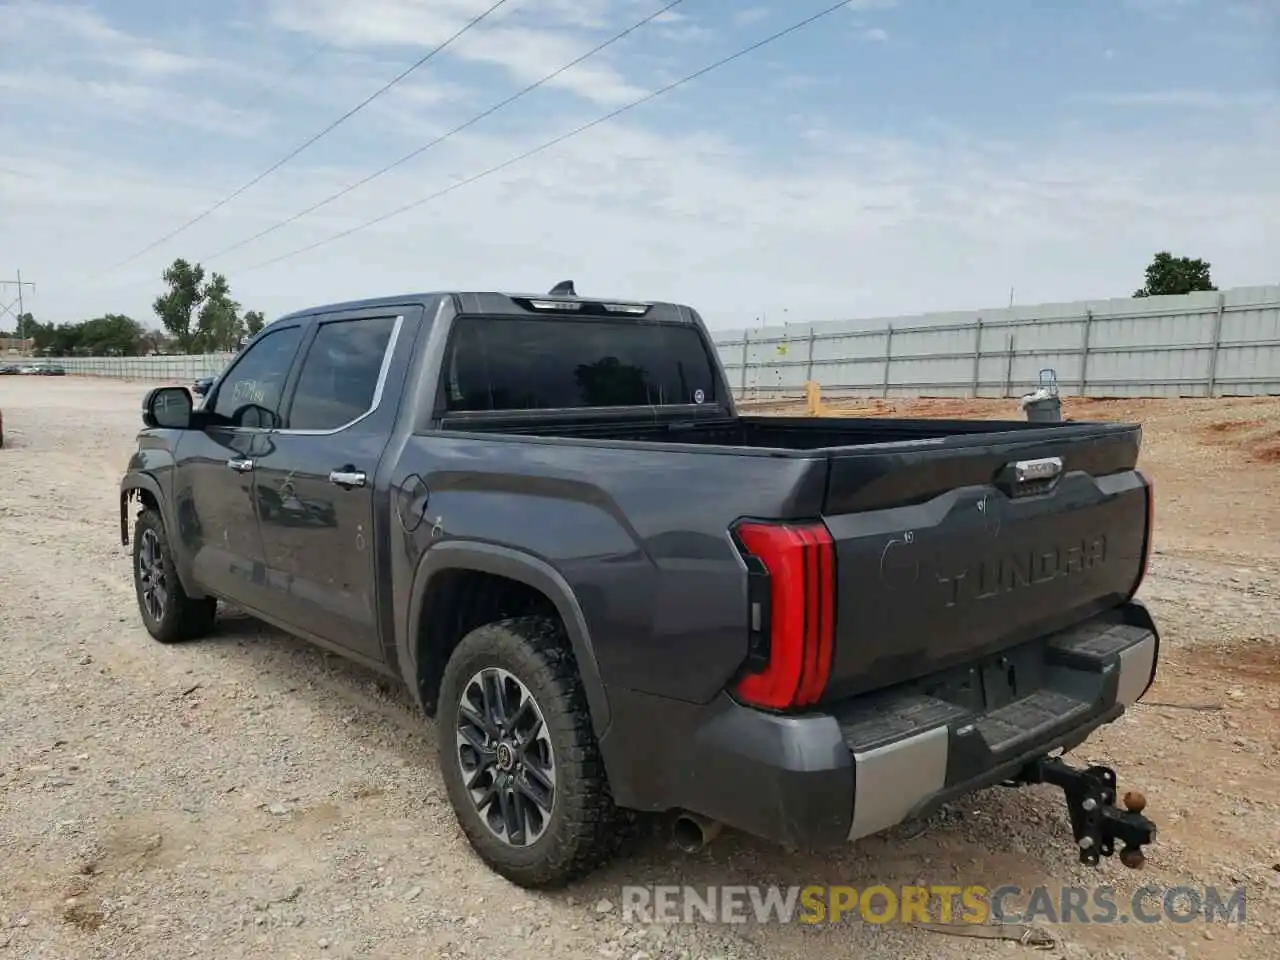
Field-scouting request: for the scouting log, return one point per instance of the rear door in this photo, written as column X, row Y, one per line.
column 949, row 550
column 315, row 488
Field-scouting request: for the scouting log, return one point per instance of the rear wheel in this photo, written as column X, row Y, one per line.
column 169, row 615
column 519, row 757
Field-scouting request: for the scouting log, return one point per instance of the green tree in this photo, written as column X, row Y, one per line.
column 52, row 340
column 218, row 326
column 254, row 321
column 60, row 340
column 113, row 335
column 177, row 306
column 41, row 334
column 154, row 342
column 1168, row 275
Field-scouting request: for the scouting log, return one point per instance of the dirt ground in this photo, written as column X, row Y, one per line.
column 249, row 796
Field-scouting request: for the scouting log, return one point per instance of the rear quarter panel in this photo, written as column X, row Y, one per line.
column 639, row 534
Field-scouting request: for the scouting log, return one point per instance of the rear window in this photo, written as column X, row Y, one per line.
column 513, row 364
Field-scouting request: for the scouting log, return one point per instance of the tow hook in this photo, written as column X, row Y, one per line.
column 1095, row 820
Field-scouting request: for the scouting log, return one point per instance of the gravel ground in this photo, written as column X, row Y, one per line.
column 249, row 796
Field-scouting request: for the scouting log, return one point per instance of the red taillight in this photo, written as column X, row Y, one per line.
column 1150, row 534
column 792, row 613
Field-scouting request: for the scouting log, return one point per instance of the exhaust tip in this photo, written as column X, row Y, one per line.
column 691, row 832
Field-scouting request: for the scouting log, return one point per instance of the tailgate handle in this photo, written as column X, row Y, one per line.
column 1031, row 471
column 1023, row 478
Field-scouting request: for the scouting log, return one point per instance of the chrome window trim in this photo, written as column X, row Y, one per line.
column 378, row 388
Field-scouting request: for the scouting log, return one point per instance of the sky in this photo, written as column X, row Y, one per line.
column 893, row 157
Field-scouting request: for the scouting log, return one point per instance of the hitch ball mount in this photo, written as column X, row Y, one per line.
column 1095, row 820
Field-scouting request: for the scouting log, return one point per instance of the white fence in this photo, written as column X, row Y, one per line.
column 182, row 368
column 1202, row 344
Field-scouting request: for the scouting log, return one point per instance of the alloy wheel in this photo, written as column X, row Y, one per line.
column 153, row 582
column 505, row 752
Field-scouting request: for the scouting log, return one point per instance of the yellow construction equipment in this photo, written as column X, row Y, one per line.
column 813, row 400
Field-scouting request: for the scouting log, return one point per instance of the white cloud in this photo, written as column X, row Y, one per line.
column 1258, row 14
column 862, row 226
column 54, row 24
column 679, row 28
column 527, row 47
column 134, row 101
column 822, row 217
column 876, row 35
column 1185, row 99
column 744, row 18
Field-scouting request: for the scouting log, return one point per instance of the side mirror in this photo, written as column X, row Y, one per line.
column 168, row 407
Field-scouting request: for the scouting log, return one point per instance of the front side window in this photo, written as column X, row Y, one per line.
column 250, row 394
column 340, row 373
column 547, row 364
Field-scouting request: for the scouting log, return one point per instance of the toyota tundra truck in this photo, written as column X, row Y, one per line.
column 616, row 593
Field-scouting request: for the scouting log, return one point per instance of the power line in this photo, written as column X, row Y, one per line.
column 444, row 136
column 827, row 11
column 303, row 146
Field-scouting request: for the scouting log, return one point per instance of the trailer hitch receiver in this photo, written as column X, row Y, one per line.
column 1095, row 819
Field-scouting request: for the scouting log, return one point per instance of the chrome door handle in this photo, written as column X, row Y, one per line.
column 347, row 478
column 240, row 464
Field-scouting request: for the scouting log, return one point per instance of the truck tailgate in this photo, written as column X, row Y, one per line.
column 949, row 550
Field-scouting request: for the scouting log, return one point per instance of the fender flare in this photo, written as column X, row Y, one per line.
column 135, row 481
column 131, row 484
column 527, row 569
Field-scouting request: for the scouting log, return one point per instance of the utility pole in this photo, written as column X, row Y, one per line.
column 19, row 283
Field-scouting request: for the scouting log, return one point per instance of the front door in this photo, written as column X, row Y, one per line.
column 315, row 488
column 216, row 515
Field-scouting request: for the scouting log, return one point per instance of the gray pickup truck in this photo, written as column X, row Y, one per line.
column 617, row 594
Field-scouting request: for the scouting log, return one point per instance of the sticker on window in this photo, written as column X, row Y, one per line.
column 698, row 396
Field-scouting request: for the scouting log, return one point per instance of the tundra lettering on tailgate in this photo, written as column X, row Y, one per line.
column 998, row 574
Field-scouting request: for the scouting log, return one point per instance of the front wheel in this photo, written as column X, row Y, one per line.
column 519, row 757
column 167, row 612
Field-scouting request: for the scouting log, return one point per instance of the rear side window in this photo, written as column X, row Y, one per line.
column 340, row 373
column 514, row 364
column 249, row 396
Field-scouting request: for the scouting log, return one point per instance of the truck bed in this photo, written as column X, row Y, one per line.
column 778, row 433
column 941, row 556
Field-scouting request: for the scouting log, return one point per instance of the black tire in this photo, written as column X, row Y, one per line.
column 176, row 617
column 582, row 830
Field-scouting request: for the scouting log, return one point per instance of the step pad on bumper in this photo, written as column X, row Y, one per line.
column 1023, row 719
column 909, row 746
column 878, row 724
